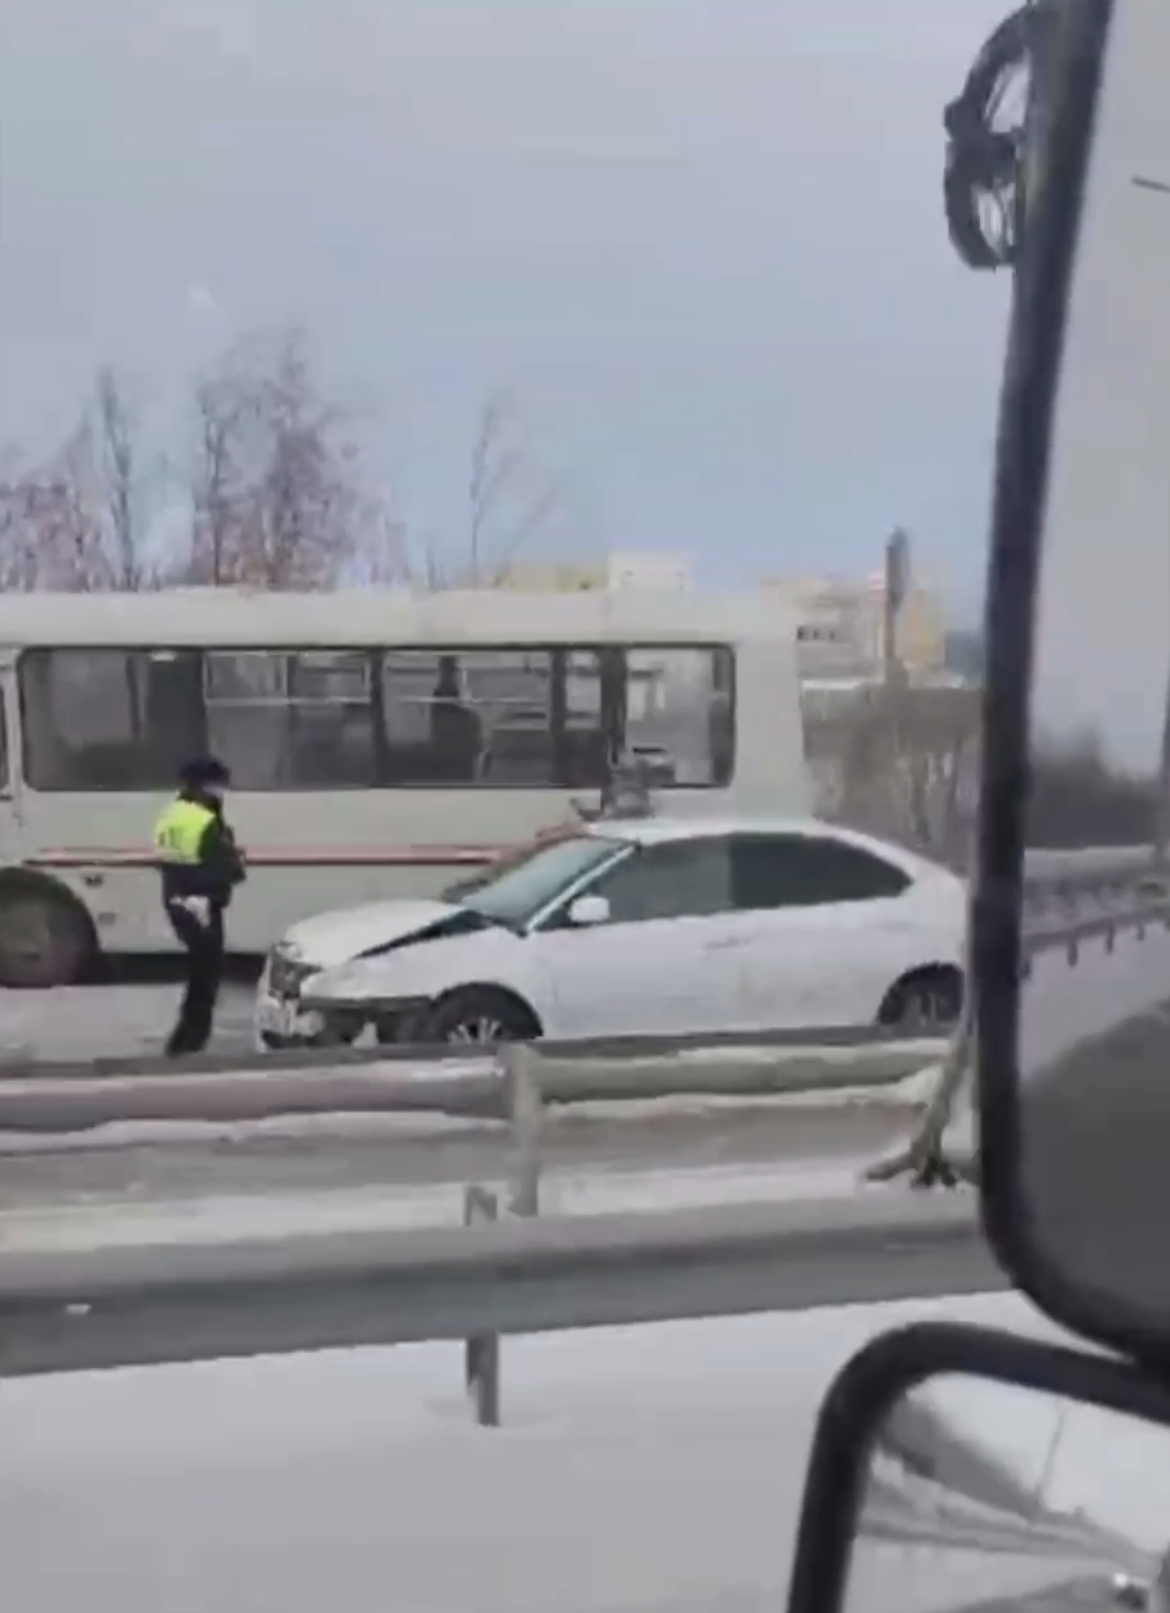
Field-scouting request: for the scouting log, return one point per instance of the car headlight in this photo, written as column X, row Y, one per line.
column 287, row 970
column 344, row 981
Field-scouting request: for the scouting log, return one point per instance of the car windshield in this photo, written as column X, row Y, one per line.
column 461, row 888
column 521, row 891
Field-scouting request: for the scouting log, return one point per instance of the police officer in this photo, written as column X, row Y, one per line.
column 201, row 866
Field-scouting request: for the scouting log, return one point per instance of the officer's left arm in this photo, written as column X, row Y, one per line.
column 220, row 862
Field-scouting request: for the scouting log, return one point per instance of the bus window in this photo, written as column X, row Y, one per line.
column 591, row 727
column 286, row 721
column 469, row 716
column 353, row 719
column 109, row 719
column 679, row 713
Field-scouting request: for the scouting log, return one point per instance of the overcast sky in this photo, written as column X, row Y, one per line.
column 703, row 239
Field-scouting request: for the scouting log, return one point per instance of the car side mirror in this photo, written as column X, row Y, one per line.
column 1073, row 1109
column 954, row 1463
column 587, row 911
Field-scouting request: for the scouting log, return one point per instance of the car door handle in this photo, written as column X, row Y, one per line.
column 727, row 945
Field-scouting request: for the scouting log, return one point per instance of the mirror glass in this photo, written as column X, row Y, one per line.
column 984, row 1494
column 1094, row 1051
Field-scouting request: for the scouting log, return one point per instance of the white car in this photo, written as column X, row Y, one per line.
column 637, row 927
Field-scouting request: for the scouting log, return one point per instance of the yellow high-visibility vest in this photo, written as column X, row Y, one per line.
column 179, row 832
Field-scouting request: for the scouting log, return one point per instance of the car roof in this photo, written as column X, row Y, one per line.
column 658, row 830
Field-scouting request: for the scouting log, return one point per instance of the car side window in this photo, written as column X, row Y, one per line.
column 772, row 871
column 3, row 741
column 682, row 879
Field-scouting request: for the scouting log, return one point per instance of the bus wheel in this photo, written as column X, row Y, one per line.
column 46, row 939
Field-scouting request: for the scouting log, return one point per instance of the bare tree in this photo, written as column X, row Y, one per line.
column 75, row 521
column 512, row 502
column 50, row 525
column 277, row 492
column 222, row 411
column 114, row 448
column 899, row 762
column 902, row 760
column 22, row 522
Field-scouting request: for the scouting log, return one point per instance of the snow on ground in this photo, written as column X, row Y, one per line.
column 84, row 1224
column 639, row 1470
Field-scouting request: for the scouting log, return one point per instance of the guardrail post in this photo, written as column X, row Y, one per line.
column 481, row 1362
column 521, row 1062
column 481, row 1353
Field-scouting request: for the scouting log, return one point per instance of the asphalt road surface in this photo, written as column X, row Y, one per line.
column 133, row 1013
column 1095, row 1150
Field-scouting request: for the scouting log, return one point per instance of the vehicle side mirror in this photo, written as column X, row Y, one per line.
column 955, row 1464
column 1070, row 978
column 587, row 911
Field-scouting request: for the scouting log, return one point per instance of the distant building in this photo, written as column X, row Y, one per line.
column 841, row 621
column 841, row 626
column 632, row 570
column 648, row 570
column 553, row 576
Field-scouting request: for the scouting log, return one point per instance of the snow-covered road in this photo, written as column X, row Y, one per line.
column 638, row 1471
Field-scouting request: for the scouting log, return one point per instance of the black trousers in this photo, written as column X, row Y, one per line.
column 204, row 948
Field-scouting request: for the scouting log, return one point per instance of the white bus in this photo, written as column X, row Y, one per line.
column 381, row 743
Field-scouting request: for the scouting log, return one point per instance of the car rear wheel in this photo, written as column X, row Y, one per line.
column 926, row 1002
column 478, row 1016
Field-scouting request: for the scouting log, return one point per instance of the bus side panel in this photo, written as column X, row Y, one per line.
column 310, row 852
column 307, row 852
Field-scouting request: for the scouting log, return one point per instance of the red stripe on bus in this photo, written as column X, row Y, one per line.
column 280, row 857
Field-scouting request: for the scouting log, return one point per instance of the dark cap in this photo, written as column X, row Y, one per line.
column 203, row 772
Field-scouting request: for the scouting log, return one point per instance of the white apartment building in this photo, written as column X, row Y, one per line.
column 842, row 626
column 841, row 620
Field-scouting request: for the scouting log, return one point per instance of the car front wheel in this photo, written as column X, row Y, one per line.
column 478, row 1016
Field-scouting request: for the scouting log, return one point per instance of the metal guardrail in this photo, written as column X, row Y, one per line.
column 1046, row 861
column 77, row 1097
column 61, row 1310
column 115, row 1306
column 819, row 1041
column 1070, row 935
column 1093, row 871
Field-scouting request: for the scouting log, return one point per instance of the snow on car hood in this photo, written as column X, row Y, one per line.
column 421, row 963
column 328, row 939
